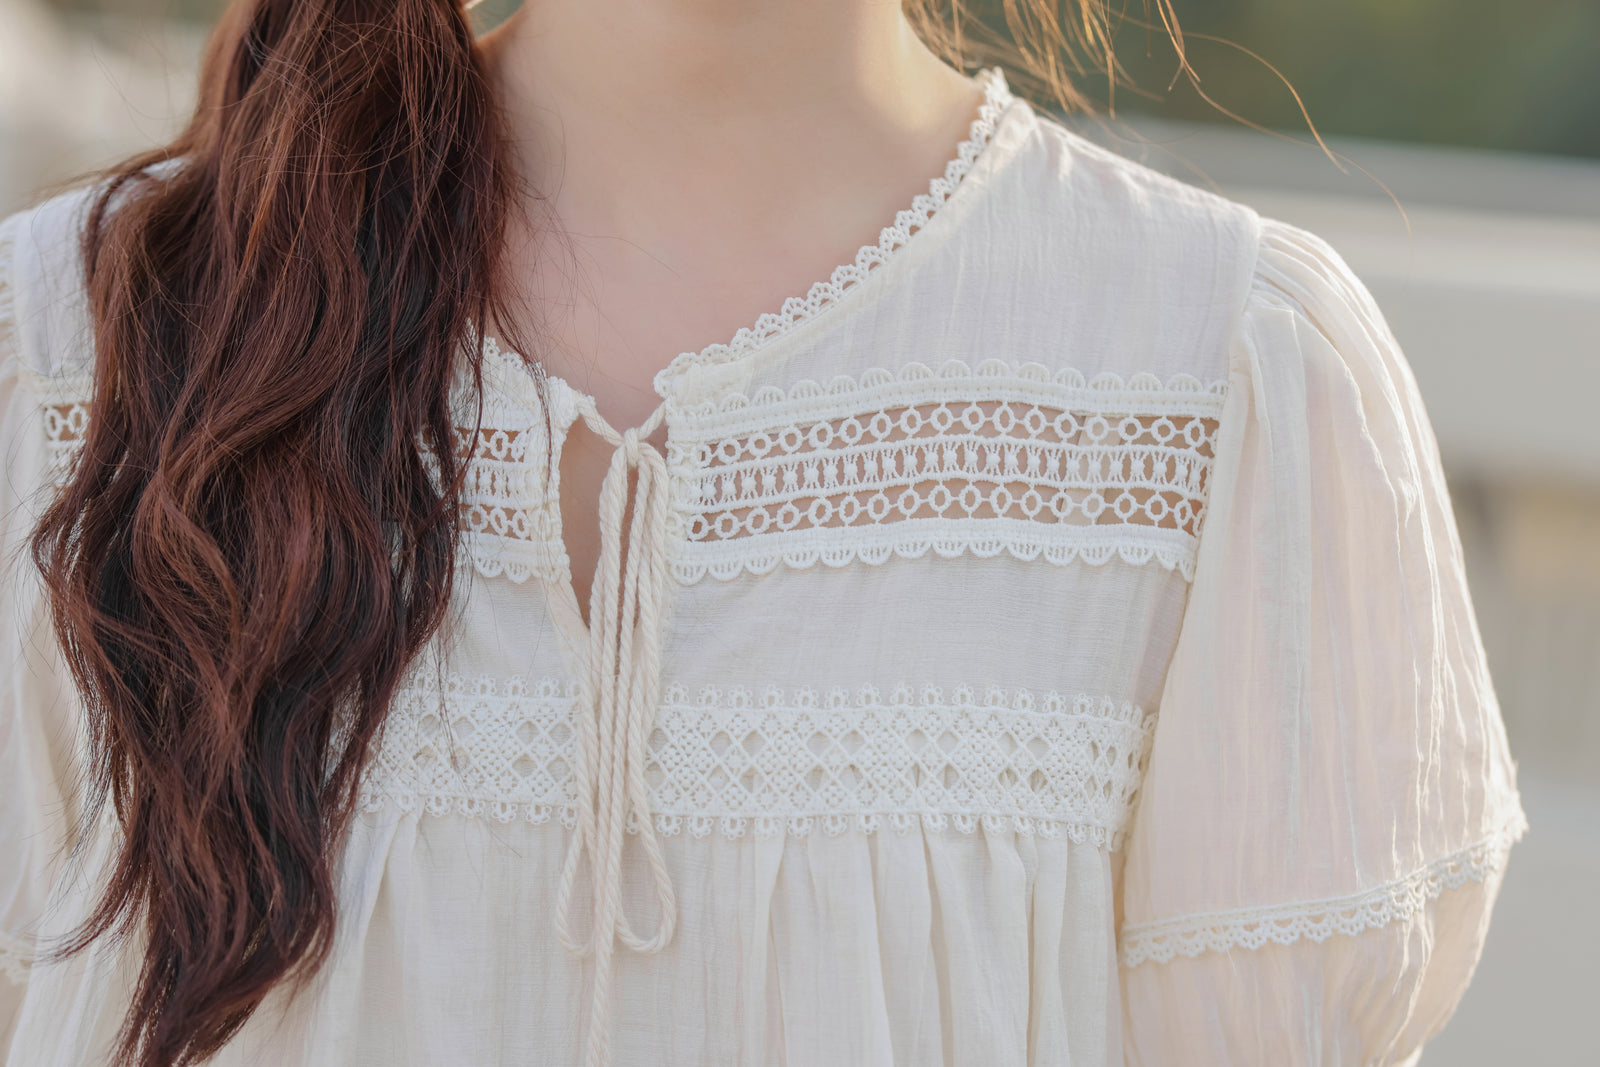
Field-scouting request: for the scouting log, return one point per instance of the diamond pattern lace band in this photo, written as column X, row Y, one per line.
column 766, row 762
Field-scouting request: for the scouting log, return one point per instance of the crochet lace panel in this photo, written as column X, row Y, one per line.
column 509, row 518
column 768, row 761
column 509, row 522
column 1318, row 920
column 997, row 458
column 994, row 458
column 65, row 403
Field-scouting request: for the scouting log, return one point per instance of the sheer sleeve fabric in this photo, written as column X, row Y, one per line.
column 1329, row 799
column 37, row 705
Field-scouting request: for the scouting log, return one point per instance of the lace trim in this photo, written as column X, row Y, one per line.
column 510, row 525
column 501, row 534
column 767, row 762
column 1318, row 920
column 1138, row 497
column 509, row 518
column 65, row 403
column 948, row 539
column 984, row 459
column 822, row 295
column 16, row 958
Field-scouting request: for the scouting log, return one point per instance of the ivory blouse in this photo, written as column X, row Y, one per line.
column 1047, row 643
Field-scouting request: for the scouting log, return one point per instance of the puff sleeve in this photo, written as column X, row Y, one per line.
column 1329, row 798
column 38, row 708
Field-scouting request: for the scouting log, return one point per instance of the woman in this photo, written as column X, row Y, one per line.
column 1043, row 639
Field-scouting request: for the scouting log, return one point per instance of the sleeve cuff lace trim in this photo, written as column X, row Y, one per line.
column 1318, row 920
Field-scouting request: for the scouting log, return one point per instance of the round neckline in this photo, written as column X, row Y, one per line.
column 869, row 259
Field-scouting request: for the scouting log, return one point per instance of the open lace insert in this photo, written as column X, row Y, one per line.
column 971, row 460
column 981, row 460
column 771, row 761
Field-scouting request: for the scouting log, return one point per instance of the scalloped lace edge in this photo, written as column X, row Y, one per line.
column 771, row 325
column 497, row 556
column 16, row 957
column 1318, row 920
column 915, row 544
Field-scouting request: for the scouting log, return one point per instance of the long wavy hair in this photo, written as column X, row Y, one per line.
column 252, row 547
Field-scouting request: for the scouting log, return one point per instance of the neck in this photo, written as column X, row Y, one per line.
column 689, row 164
column 599, row 90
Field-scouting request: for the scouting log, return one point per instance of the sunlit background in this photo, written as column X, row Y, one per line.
column 1467, row 197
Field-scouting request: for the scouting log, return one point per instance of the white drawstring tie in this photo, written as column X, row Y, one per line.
column 623, row 686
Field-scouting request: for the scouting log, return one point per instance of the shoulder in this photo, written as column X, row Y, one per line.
column 42, row 293
column 1143, row 199
column 1137, row 270
column 1172, row 266
column 1301, row 273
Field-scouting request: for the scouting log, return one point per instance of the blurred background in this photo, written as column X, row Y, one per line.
column 1466, row 194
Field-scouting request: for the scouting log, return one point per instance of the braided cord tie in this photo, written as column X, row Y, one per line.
column 623, row 687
